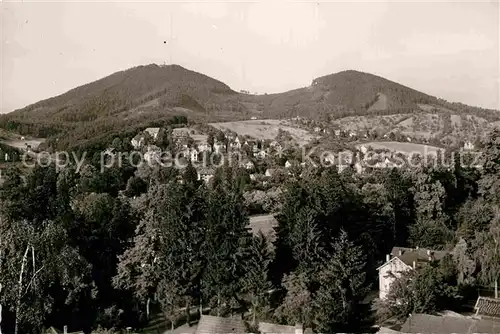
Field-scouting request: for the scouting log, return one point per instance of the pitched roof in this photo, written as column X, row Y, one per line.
column 268, row 328
column 211, row 325
column 206, row 171
column 419, row 255
column 152, row 131
column 425, row 323
column 392, row 260
column 489, row 307
column 264, row 224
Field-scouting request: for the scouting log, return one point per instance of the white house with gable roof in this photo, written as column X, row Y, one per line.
column 402, row 259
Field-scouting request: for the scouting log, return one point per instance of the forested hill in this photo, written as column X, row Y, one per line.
column 152, row 93
column 350, row 93
column 120, row 95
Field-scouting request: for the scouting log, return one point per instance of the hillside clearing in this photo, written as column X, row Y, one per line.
column 380, row 104
column 405, row 148
column 265, row 129
column 21, row 144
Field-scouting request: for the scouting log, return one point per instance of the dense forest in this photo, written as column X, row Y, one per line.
column 86, row 248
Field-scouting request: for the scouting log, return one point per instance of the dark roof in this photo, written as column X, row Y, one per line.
column 419, row 255
column 206, row 171
column 211, row 325
column 425, row 323
column 489, row 307
column 267, row 328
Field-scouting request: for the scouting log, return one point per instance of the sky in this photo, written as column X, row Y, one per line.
column 447, row 49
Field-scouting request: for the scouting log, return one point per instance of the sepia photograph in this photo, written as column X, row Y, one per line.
column 260, row 166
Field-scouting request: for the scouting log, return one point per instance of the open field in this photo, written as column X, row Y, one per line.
column 404, row 148
column 265, row 129
column 197, row 137
column 21, row 144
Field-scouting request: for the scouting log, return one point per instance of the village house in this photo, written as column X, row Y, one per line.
column 468, row 145
column 110, row 151
column 153, row 132
column 204, row 147
column 138, row 141
column 250, row 143
column 274, row 145
column 317, row 129
column 337, row 132
column 402, row 259
column 261, row 154
column 205, row 174
column 180, row 133
column 359, row 168
column 236, row 144
column 248, row 165
column 270, row 172
column 153, row 154
column 288, row 164
column 193, row 155
column 329, row 159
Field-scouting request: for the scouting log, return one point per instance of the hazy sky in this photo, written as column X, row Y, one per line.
column 447, row 49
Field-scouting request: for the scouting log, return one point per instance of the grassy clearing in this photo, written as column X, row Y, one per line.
column 265, row 129
column 405, row 148
column 21, row 144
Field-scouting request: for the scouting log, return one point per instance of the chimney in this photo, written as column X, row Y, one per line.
column 65, row 329
column 414, row 265
column 299, row 329
column 416, row 247
column 400, row 252
column 387, row 257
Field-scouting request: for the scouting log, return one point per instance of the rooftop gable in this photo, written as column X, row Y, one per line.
column 211, row 324
column 419, row 255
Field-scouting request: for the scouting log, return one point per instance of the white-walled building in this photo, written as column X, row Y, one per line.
column 468, row 146
column 193, row 155
column 403, row 259
column 205, row 174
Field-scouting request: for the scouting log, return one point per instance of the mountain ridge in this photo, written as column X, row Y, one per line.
column 152, row 93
